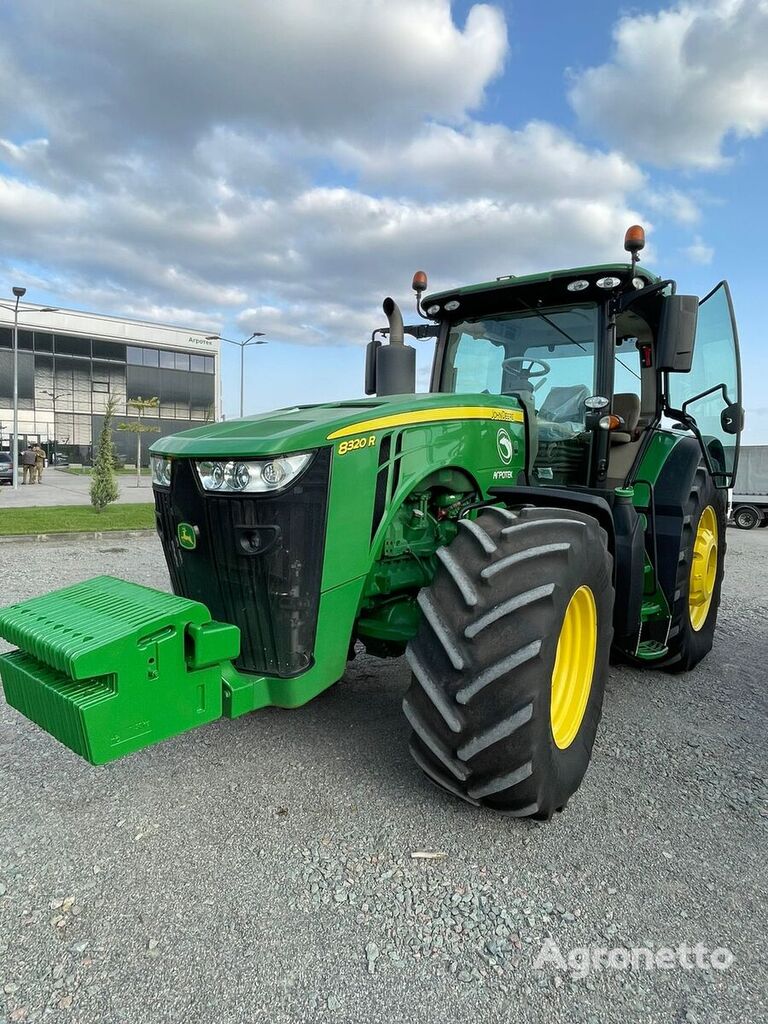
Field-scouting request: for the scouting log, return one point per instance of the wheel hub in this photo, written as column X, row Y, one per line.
column 701, row 585
column 574, row 667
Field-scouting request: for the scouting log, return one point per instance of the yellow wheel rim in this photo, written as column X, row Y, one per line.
column 701, row 585
column 574, row 667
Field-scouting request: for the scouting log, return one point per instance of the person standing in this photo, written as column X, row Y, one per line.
column 37, row 476
column 28, row 460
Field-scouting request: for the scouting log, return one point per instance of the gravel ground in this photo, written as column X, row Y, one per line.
column 262, row 869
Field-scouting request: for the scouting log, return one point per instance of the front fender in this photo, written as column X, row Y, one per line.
column 370, row 481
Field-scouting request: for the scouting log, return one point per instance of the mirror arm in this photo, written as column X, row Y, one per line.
column 709, row 391
column 626, row 299
column 422, row 330
column 688, row 422
column 418, row 331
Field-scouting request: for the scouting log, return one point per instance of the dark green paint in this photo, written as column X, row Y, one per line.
column 528, row 280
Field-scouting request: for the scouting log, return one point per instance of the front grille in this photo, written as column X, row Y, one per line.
column 272, row 595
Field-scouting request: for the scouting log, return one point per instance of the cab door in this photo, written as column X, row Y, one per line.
column 709, row 396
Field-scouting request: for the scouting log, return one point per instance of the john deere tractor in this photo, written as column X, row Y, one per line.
column 556, row 499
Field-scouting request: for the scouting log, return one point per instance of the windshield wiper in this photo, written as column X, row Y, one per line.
column 565, row 334
column 551, row 323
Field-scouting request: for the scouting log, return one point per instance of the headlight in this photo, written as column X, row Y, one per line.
column 259, row 476
column 161, row 471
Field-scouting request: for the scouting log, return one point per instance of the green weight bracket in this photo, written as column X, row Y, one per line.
column 109, row 667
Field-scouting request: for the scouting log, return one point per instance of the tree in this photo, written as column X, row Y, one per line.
column 103, row 483
column 141, row 405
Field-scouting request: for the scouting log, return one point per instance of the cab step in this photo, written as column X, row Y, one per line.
column 650, row 650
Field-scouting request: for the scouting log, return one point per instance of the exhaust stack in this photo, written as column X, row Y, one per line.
column 395, row 362
column 395, row 318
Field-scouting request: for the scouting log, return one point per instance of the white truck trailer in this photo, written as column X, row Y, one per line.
column 749, row 501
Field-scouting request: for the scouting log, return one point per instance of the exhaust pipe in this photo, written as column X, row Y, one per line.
column 395, row 362
column 395, row 318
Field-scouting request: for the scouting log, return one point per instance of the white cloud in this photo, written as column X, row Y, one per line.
column 699, row 252
column 145, row 70
column 192, row 179
column 324, row 258
column 681, row 83
column 29, row 206
column 308, row 323
column 537, row 162
column 671, row 202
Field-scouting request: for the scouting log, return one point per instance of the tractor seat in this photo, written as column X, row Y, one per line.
column 565, row 405
column 626, row 405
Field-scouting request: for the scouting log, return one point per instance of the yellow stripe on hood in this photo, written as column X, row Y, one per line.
column 457, row 412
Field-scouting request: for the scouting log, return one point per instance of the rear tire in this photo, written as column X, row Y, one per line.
column 485, row 660
column 747, row 517
column 689, row 641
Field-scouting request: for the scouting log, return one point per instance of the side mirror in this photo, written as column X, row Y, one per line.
column 677, row 333
column 371, row 351
column 732, row 419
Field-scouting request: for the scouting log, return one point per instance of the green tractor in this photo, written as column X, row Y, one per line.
column 556, row 500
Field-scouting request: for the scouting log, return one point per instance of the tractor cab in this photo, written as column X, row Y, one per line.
column 536, row 342
column 599, row 358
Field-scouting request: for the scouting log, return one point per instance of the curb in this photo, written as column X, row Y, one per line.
column 74, row 538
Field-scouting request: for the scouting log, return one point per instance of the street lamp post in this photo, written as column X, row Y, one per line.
column 19, row 293
column 254, row 339
column 53, row 396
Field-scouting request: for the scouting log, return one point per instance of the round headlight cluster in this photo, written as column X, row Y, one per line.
column 161, row 471
column 216, row 477
column 273, row 474
column 608, row 282
column 241, row 476
column 252, row 476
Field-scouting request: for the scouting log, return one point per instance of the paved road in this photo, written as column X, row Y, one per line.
column 261, row 870
column 60, row 488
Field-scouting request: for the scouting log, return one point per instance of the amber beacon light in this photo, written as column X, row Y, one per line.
column 634, row 240
column 419, row 282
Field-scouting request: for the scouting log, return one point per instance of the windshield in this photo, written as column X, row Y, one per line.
column 546, row 358
column 530, row 351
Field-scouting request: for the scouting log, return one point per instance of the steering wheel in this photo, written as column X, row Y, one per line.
column 516, row 365
column 523, row 374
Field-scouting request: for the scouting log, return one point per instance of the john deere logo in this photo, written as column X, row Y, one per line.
column 187, row 536
column 504, row 446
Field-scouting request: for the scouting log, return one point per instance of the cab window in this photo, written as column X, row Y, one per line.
column 713, row 384
column 546, row 359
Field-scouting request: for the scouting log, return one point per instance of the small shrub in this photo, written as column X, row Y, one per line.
column 103, row 484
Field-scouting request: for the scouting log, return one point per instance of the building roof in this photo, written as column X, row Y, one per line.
column 109, row 328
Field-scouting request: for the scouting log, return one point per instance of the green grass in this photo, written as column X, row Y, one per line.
column 75, row 518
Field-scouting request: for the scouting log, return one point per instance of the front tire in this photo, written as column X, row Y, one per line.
column 510, row 661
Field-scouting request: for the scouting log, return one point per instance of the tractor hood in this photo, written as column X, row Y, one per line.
column 311, row 426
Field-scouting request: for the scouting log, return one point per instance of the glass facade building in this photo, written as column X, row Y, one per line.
column 74, row 363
